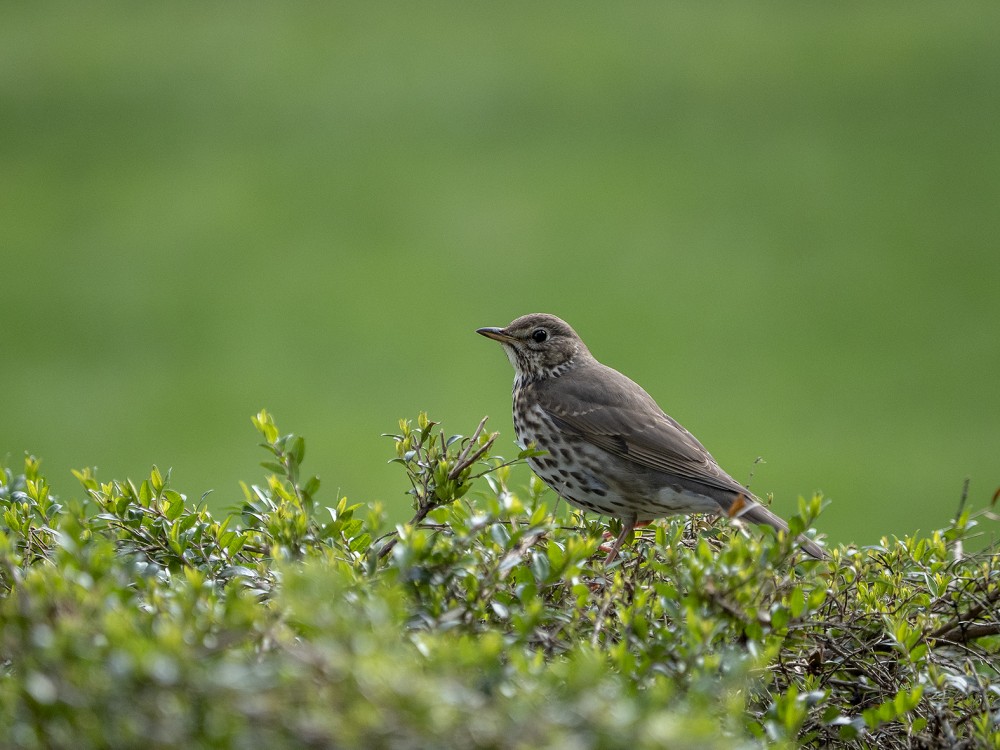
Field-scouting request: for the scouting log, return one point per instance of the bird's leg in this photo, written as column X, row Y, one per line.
column 628, row 525
column 609, row 536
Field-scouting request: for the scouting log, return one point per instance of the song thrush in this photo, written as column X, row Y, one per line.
column 608, row 447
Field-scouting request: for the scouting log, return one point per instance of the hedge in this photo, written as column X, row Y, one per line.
column 134, row 617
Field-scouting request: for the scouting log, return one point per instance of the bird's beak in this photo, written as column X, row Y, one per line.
column 497, row 334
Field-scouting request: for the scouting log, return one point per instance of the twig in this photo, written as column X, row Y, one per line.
column 420, row 515
column 460, row 467
column 513, row 557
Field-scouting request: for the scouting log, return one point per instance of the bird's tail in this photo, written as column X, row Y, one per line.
column 758, row 513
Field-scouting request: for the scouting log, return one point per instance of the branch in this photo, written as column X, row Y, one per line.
column 959, row 628
column 964, row 633
column 420, row 516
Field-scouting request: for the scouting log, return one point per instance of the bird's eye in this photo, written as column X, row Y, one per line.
column 539, row 335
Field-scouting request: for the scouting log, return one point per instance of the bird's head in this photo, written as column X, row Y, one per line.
column 539, row 345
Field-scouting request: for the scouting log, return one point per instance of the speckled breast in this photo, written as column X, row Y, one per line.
column 571, row 466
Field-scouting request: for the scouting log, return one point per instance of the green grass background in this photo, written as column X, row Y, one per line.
column 783, row 219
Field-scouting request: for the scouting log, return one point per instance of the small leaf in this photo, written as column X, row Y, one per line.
column 236, row 544
column 156, row 479
column 174, row 505
column 311, row 486
column 361, row 542
column 797, row 602
column 500, row 535
column 297, row 449
column 237, row 570
column 540, row 567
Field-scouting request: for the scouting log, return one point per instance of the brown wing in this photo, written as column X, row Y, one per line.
column 611, row 411
column 606, row 408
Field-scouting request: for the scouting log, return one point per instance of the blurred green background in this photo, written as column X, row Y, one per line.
column 780, row 218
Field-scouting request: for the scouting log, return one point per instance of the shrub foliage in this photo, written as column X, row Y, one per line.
column 133, row 616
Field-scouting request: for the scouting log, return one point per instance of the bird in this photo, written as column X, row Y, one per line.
column 603, row 443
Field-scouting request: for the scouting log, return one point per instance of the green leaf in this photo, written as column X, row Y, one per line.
column 297, row 449
column 779, row 617
column 361, row 542
column 156, row 480
column 311, row 486
column 145, row 493
column 236, row 544
column 797, row 602
column 173, row 505
column 540, row 567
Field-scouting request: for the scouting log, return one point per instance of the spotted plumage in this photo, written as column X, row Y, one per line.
column 608, row 447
